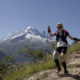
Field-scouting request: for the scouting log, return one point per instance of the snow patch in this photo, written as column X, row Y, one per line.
column 28, row 36
column 27, row 29
column 17, row 35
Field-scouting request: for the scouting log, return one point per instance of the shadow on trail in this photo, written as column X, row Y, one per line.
column 77, row 77
column 1, row 78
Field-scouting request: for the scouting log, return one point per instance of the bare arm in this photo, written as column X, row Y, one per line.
column 51, row 35
column 70, row 37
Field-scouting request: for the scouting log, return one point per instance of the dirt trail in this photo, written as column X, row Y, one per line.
column 73, row 68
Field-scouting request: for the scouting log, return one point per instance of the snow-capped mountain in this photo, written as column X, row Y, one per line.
column 14, row 43
column 28, row 33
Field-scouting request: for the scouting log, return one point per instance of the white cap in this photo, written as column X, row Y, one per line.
column 60, row 24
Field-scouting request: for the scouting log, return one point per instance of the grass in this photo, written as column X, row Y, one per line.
column 74, row 65
column 28, row 70
column 73, row 48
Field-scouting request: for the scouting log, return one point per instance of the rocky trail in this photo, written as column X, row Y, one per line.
column 73, row 65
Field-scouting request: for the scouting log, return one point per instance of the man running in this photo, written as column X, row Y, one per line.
column 61, row 38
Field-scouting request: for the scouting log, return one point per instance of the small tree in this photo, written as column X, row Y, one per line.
column 34, row 53
column 53, row 45
column 5, row 64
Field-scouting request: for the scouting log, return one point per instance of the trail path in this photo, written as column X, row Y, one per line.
column 73, row 68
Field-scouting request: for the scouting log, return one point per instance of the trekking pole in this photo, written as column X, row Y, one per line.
column 47, row 50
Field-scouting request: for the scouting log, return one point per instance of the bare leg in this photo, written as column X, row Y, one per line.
column 62, row 58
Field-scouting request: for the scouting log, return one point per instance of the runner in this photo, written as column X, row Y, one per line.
column 62, row 44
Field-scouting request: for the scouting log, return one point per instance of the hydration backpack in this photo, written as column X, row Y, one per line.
column 63, row 36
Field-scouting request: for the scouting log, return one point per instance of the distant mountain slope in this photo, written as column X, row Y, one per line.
column 13, row 44
column 2, row 55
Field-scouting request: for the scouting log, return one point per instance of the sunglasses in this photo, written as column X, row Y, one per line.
column 58, row 27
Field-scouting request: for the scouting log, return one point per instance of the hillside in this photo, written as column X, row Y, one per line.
column 73, row 64
column 45, row 69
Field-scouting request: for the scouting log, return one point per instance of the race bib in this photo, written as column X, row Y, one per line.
column 61, row 44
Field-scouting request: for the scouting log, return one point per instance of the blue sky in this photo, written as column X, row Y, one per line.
column 16, row 15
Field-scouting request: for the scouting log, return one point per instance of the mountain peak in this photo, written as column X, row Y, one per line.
column 27, row 29
column 28, row 33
